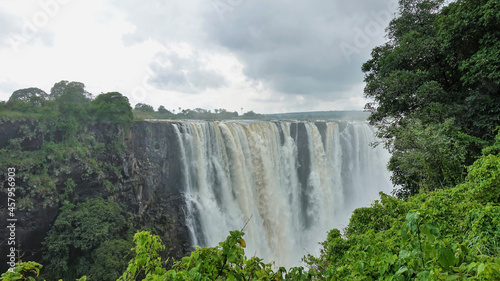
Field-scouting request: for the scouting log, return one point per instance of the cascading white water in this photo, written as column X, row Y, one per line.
column 292, row 182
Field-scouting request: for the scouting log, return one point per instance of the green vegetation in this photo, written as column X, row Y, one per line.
column 223, row 262
column 58, row 153
column 447, row 234
column 72, row 105
column 440, row 65
column 85, row 235
column 69, row 104
column 56, row 133
column 144, row 111
column 436, row 101
column 113, row 108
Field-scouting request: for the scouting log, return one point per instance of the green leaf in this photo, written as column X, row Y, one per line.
column 480, row 268
column 412, row 221
column 446, row 258
column 401, row 270
column 430, row 231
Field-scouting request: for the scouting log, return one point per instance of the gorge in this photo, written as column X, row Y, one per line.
column 285, row 182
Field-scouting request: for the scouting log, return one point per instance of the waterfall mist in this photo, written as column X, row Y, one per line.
column 292, row 182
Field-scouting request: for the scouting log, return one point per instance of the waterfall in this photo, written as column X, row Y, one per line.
column 292, row 182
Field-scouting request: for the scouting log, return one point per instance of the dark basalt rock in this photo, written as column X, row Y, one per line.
column 298, row 132
column 148, row 190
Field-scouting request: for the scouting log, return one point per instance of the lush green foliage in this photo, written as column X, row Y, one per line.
column 440, row 63
column 427, row 157
column 29, row 271
column 445, row 234
column 87, row 239
column 62, row 136
column 74, row 106
column 43, row 171
column 144, row 107
column 143, row 111
column 224, row 262
column 30, row 97
column 71, row 105
column 450, row 234
column 435, row 87
column 56, row 151
column 113, row 108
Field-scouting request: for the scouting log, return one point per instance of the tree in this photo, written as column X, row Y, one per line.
column 250, row 114
column 428, row 71
column 404, row 75
column 144, row 107
column 428, row 157
column 113, row 107
column 34, row 96
column 63, row 86
column 73, row 243
column 471, row 41
column 163, row 110
column 73, row 104
column 71, row 98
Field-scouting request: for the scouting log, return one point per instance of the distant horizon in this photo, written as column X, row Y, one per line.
column 256, row 111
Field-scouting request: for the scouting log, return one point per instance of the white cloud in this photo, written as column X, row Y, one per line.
column 260, row 55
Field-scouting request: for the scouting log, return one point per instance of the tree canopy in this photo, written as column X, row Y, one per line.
column 76, row 89
column 80, row 237
column 113, row 107
column 144, row 107
column 440, row 63
column 32, row 95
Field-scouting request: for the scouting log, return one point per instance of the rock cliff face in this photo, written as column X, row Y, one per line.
column 147, row 189
column 152, row 168
column 295, row 179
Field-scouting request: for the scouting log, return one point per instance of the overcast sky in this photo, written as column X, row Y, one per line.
column 261, row 55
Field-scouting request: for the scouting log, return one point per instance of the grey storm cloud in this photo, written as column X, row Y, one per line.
column 292, row 46
column 188, row 75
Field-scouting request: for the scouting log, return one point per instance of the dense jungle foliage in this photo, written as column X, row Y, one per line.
column 61, row 121
column 435, row 90
column 436, row 101
column 447, row 234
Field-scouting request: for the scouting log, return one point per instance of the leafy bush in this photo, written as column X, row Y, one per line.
column 426, row 157
column 76, row 241
column 113, row 107
column 224, row 262
column 484, row 178
column 450, row 234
